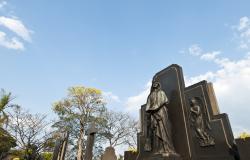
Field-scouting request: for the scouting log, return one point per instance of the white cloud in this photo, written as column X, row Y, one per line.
column 133, row 103
column 232, row 87
column 243, row 33
column 244, row 23
column 209, row 76
column 16, row 26
column 195, row 50
column 110, row 97
column 210, row 56
column 12, row 43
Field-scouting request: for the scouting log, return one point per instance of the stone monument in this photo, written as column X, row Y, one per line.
column 183, row 123
column 244, row 148
column 90, row 142
column 109, row 154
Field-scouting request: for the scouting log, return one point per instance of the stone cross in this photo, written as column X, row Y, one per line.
column 90, row 142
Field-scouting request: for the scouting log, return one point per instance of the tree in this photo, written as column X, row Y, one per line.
column 82, row 105
column 119, row 129
column 30, row 131
column 4, row 103
column 6, row 140
column 244, row 135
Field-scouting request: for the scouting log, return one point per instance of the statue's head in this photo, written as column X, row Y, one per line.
column 156, row 85
column 193, row 101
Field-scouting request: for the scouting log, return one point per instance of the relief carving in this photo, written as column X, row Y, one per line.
column 199, row 123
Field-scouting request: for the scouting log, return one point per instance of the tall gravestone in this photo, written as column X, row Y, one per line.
column 90, row 142
column 194, row 127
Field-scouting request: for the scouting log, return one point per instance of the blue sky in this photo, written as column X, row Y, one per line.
column 117, row 46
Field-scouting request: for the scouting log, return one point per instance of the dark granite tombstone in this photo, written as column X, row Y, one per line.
column 244, row 148
column 130, row 155
column 198, row 131
column 213, row 139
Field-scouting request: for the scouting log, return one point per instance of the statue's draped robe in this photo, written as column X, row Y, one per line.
column 156, row 104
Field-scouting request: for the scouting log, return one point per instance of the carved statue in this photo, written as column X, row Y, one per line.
column 160, row 125
column 198, row 123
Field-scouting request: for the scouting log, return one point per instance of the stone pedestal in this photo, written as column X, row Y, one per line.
column 164, row 157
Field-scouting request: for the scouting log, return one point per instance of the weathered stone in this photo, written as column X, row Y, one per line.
column 109, row 154
column 129, row 155
column 90, row 142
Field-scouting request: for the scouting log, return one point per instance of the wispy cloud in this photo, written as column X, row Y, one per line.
column 14, row 25
column 12, row 43
column 231, row 84
column 110, row 97
column 243, row 32
column 133, row 103
column 196, row 50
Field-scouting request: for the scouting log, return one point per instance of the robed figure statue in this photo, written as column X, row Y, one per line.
column 160, row 125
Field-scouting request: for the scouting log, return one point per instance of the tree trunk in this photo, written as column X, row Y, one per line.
column 80, row 144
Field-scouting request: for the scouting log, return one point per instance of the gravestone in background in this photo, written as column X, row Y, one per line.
column 130, row 155
column 244, row 148
column 198, row 130
column 109, row 154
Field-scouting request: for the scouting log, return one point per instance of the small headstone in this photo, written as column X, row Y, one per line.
column 109, row 154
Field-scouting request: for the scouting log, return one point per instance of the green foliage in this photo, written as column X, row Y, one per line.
column 47, row 155
column 18, row 154
column 5, row 98
column 244, row 135
column 81, row 107
column 6, row 142
column 82, row 104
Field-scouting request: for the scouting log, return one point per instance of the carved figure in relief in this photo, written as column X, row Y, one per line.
column 199, row 124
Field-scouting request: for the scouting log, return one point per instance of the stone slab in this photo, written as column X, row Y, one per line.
column 244, row 148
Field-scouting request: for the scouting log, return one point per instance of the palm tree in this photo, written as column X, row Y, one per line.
column 5, row 99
